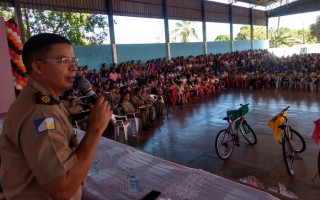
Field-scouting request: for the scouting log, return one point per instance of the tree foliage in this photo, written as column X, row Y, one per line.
column 80, row 28
column 259, row 33
column 223, row 38
column 7, row 13
column 281, row 38
column 315, row 29
column 304, row 36
column 184, row 31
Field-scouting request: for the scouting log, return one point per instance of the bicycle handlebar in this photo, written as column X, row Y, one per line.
column 243, row 105
column 285, row 109
column 281, row 113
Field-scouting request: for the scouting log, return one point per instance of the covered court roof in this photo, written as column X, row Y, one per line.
column 260, row 2
column 175, row 9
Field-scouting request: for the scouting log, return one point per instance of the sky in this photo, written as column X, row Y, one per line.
column 131, row 30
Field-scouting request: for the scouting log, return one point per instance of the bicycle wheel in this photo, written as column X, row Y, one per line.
column 297, row 141
column 224, row 144
column 288, row 155
column 248, row 133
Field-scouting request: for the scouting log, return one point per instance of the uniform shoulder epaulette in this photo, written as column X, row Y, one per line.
column 45, row 98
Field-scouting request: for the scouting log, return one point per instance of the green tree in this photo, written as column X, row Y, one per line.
column 7, row 13
column 315, row 29
column 184, row 31
column 281, row 38
column 259, row 33
column 80, row 28
column 244, row 33
column 304, row 36
column 222, row 38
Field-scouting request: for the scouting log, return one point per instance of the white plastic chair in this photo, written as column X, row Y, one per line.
column 278, row 82
column 292, row 84
column 310, row 84
column 117, row 123
column 136, row 120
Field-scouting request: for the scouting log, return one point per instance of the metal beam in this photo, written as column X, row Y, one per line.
column 296, row 7
column 259, row 2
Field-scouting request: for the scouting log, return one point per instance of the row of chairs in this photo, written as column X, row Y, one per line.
column 124, row 121
column 302, row 84
column 290, row 84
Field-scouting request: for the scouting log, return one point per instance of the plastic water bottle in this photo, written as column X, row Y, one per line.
column 95, row 168
column 134, row 183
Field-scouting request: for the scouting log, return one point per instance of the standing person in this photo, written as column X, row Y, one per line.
column 40, row 158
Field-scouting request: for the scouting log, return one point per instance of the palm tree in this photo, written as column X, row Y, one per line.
column 282, row 37
column 183, row 31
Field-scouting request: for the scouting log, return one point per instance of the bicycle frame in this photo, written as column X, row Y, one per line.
column 286, row 130
column 227, row 138
column 233, row 122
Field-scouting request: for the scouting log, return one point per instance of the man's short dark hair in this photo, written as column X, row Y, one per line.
column 137, row 89
column 38, row 46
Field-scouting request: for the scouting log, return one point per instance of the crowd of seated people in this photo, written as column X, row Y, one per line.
column 133, row 87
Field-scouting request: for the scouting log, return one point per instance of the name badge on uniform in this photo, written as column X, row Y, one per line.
column 44, row 124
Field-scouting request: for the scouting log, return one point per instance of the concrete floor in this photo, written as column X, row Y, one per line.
column 187, row 136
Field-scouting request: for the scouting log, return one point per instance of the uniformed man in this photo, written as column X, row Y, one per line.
column 113, row 96
column 136, row 99
column 128, row 108
column 148, row 102
column 40, row 158
column 139, row 103
column 74, row 109
column 157, row 105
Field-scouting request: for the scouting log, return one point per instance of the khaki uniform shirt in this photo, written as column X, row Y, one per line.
column 113, row 98
column 146, row 97
column 137, row 101
column 75, row 109
column 127, row 107
column 36, row 145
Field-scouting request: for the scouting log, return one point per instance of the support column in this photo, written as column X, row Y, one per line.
column 7, row 95
column 204, row 27
column 251, row 28
column 267, row 25
column 111, row 30
column 231, row 27
column 17, row 9
column 166, row 28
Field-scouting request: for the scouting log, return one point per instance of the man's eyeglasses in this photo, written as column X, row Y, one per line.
column 65, row 61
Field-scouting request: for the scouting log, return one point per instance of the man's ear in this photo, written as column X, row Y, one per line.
column 37, row 67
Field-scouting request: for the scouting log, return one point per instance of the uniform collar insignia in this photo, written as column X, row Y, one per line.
column 45, row 98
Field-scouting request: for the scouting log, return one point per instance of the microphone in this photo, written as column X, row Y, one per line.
column 86, row 89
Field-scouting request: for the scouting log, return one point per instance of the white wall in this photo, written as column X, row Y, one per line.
column 289, row 51
column 7, row 95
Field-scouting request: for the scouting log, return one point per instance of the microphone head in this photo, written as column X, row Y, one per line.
column 85, row 87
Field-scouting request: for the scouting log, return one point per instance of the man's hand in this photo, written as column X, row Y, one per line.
column 100, row 116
